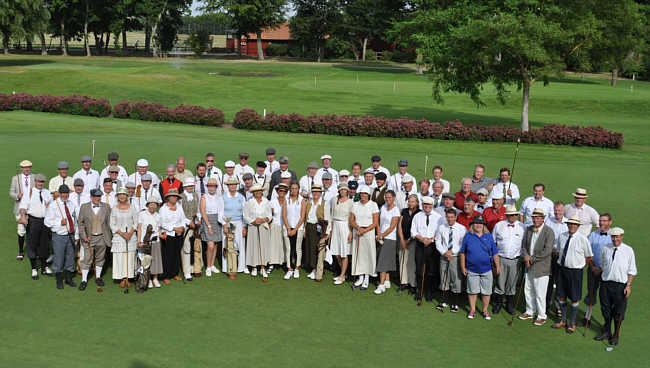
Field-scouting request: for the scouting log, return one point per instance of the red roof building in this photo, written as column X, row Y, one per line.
column 248, row 43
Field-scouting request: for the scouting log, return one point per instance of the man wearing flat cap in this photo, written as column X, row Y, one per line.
column 21, row 184
column 142, row 168
column 381, row 188
column 327, row 168
column 408, row 184
column 33, row 206
column 276, row 176
column 329, row 189
column 62, row 167
column 272, row 165
column 113, row 175
column 60, row 218
column 77, row 194
column 133, row 200
column 588, row 215
column 95, row 236
column 448, row 201
column 395, row 181
column 147, row 190
column 89, row 175
column 242, row 167
column 261, row 178
column 113, row 159
column 375, row 166
column 308, row 180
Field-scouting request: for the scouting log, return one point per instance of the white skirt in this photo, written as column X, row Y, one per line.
column 276, row 248
column 364, row 255
column 257, row 240
column 120, row 262
column 339, row 241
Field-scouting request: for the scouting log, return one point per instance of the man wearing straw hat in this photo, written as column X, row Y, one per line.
column 574, row 254
column 242, row 167
column 62, row 167
column 33, row 206
column 190, row 203
column 427, row 260
column 60, row 218
column 88, row 175
column 618, row 271
column 20, row 184
column 587, row 214
column 536, row 251
column 95, row 236
column 508, row 236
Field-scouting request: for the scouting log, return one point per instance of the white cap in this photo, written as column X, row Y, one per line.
column 229, row 164
column 369, row 171
column 497, row 195
column 188, row 182
column 364, row 189
column 325, row 156
column 285, row 175
column 616, row 231
column 427, row 200
column 408, row 179
column 142, row 162
column 344, row 173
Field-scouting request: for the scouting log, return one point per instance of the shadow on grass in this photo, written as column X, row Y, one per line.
column 140, row 364
column 381, row 68
column 436, row 115
column 574, row 80
column 23, row 62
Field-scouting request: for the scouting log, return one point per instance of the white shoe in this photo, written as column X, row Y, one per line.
column 150, row 285
column 296, row 273
column 254, row 272
column 208, row 272
column 34, row 272
column 386, row 285
column 246, row 271
column 48, row 270
column 287, row 275
column 214, row 269
column 380, row 289
column 264, row 274
column 312, row 275
column 156, row 283
column 339, row 282
column 359, row 281
column 270, row 269
column 188, row 276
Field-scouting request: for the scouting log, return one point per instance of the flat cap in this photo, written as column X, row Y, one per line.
column 146, row 177
column 113, row 156
column 247, row 176
column 482, row 191
column 380, row 175
column 375, row 158
column 270, row 151
column 107, row 180
column 63, row 189
column 114, row 169
column 130, row 185
column 39, row 177
column 427, row 200
column 344, row 173
column 325, row 157
column 353, row 184
column 283, row 160
column 326, row 176
column 364, row 189
column 478, row 220
column 189, row 182
column 62, row 165
column 243, row 155
column 448, row 196
column 402, row 163
column 312, row 165
column 408, row 179
column 617, row 231
column 25, row 163
column 261, row 164
column 86, row 158
column 142, row 162
column 78, row 182
column 95, row 193
column 497, row 195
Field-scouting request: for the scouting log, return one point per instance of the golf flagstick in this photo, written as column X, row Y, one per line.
column 521, row 287
column 512, row 171
column 424, row 272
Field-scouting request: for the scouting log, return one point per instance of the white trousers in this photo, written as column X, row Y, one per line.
column 535, row 292
column 239, row 246
column 300, row 234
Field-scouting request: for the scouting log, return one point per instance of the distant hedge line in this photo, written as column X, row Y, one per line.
column 373, row 126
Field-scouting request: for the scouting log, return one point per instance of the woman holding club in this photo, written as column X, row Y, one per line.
column 276, row 245
column 211, row 206
column 172, row 222
column 257, row 214
column 294, row 218
column 478, row 256
column 364, row 219
column 407, row 244
column 146, row 218
column 123, row 222
column 387, row 238
column 340, row 236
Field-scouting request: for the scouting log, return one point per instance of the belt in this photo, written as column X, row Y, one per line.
column 34, row 217
column 97, row 234
column 614, row 282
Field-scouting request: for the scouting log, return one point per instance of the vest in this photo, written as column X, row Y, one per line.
column 166, row 186
column 320, row 210
column 96, row 225
column 190, row 207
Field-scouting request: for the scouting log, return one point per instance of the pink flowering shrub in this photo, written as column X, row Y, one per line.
column 73, row 104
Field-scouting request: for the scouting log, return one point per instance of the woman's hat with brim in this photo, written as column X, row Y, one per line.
column 478, row 220
column 173, row 192
column 122, row 191
column 316, row 188
column 232, row 181
column 364, row 189
column 580, row 193
column 343, row 186
column 575, row 219
column 213, row 182
column 256, row 188
column 153, row 199
column 281, row 186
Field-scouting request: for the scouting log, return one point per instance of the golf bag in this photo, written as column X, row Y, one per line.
column 143, row 273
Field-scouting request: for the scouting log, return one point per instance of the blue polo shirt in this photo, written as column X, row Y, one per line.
column 598, row 240
column 478, row 252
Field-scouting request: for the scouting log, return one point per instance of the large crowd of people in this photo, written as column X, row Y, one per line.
column 363, row 225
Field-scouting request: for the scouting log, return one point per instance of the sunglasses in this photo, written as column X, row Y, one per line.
column 209, row 160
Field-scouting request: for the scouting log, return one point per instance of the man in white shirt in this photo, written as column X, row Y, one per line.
column 60, row 218
column 575, row 253
column 587, row 214
column 355, row 174
column 436, row 192
column 344, row 176
column 260, row 177
column 395, row 181
column 557, row 223
column 62, row 167
column 375, row 166
column 242, row 167
column 481, row 203
column 403, row 196
column 427, row 259
column 537, row 200
column 509, row 190
column 229, row 166
column 449, row 238
column 448, row 200
column 272, row 165
column 33, row 206
column 108, row 195
column 327, row 168
column 211, row 170
column 308, row 180
column 437, row 176
column 508, row 236
column 113, row 174
column 21, row 184
column 369, row 179
column 142, row 168
column 146, row 191
column 314, row 231
column 618, row 271
column 113, row 159
column 88, row 175
column 202, row 179
column 329, row 190
column 77, row 196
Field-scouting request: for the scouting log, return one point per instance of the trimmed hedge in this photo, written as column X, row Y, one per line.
column 372, row 126
column 74, row 104
column 182, row 114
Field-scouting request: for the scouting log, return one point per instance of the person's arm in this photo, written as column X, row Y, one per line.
column 160, row 190
column 139, row 233
column 375, row 221
column 628, row 286
column 353, row 223
column 462, row 263
column 303, row 214
column 440, row 247
column 497, row 264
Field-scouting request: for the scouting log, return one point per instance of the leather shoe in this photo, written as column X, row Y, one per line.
column 177, row 278
column 166, row 281
column 82, row 286
column 68, row 279
column 603, row 335
column 558, row 325
column 613, row 341
column 59, row 280
column 99, row 282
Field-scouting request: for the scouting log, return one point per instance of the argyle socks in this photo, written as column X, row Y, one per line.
column 574, row 312
column 563, row 309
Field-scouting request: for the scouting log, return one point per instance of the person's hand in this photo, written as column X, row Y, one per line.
column 627, row 291
column 527, row 263
column 377, row 237
column 448, row 255
column 86, row 240
column 63, row 222
column 178, row 230
column 19, row 196
column 464, row 272
column 527, row 259
column 403, row 244
column 210, row 230
column 191, row 225
column 510, row 192
column 23, row 220
column 498, row 269
column 164, row 236
column 596, row 270
column 293, row 232
column 244, row 232
column 329, row 236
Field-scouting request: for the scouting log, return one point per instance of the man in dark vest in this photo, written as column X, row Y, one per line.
column 170, row 182
column 316, row 212
column 190, row 201
column 380, row 189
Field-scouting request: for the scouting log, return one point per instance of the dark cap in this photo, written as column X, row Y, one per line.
column 448, row 196
column 478, row 220
column 260, row 164
column 243, row 155
column 113, row 156
column 402, row 163
column 375, row 158
column 86, row 158
column 380, row 175
column 107, row 180
column 64, row 189
column 353, row 184
column 270, row 151
column 78, row 183
column 62, row 165
column 247, row 176
column 95, row 193
column 283, row 160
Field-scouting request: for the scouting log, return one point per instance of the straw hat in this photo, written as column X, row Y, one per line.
column 511, row 210
column 121, row 191
column 616, row 231
column 212, row 182
column 573, row 220
column 281, row 186
column 316, row 188
column 173, row 192
column 256, row 188
column 231, row 181
column 580, row 193
column 25, row 163
column 538, row 212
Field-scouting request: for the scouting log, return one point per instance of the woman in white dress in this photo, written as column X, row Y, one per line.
column 364, row 219
column 387, row 238
column 340, row 235
column 294, row 230
column 145, row 218
column 211, row 206
column 123, row 221
column 257, row 214
column 276, row 246
column 173, row 223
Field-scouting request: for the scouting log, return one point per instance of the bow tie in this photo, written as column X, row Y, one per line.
column 535, row 229
column 603, row 233
column 511, row 225
column 481, row 206
column 96, row 206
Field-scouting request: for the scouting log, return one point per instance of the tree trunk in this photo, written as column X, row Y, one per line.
column 363, row 49
column 98, row 49
column 43, row 46
column 108, row 40
column 318, row 48
column 260, row 52
column 239, row 45
column 29, row 44
column 614, row 76
column 5, row 43
column 86, row 30
column 124, row 50
column 147, row 39
column 524, row 103
column 154, row 29
column 64, row 41
column 418, row 64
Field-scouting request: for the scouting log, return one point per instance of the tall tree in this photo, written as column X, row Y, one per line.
column 314, row 20
column 21, row 19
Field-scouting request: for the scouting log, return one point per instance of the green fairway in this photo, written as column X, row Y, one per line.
column 341, row 88
column 245, row 323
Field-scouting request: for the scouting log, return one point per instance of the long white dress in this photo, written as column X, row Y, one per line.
column 276, row 246
column 257, row 236
column 340, row 227
column 364, row 257
column 123, row 220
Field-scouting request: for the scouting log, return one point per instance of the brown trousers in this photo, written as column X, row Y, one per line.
column 97, row 253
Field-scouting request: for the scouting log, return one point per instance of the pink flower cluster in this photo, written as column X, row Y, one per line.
column 74, row 104
column 374, row 126
column 182, row 114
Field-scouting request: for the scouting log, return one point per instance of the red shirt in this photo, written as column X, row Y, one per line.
column 491, row 216
column 465, row 220
column 460, row 199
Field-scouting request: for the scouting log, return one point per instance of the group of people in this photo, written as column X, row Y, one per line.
column 364, row 225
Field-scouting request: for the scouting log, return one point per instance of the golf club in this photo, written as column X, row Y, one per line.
column 512, row 171
column 617, row 332
column 424, row 272
column 519, row 292
column 356, row 259
column 401, row 272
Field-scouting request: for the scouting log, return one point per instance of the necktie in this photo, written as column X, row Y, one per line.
column 436, row 203
column 78, row 200
column 96, row 206
column 614, row 254
column 209, row 172
column 202, row 186
column 26, row 181
column 428, row 219
column 566, row 248
column 451, row 238
column 40, row 195
column 69, row 218
column 145, row 195
column 131, row 200
column 107, row 202
column 481, row 206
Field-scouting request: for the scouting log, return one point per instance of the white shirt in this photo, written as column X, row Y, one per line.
column 385, row 218
column 254, row 210
column 109, row 199
column 508, row 238
column 442, row 237
column 56, row 212
column 624, row 263
column 25, row 182
column 402, row 198
column 293, row 211
column 57, row 181
column 588, row 217
column 478, row 207
column 241, row 170
column 579, row 249
column 419, row 225
column 334, row 173
column 170, row 219
column 213, row 204
column 445, row 184
column 136, row 178
column 502, row 188
column 311, row 214
column 380, row 168
column 271, row 167
column 395, row 182
column 213, row 172
column 122, row 175
column 90, row 179
column 276, row 209
column 145, row 194
column 261, row 179
column 533, row 239
column 79, row 199
column 145, row 218
column 558, row 227
column 305, row 184
column 33, row 205
column 529, row 204
column 330, row 193
column 363, row 213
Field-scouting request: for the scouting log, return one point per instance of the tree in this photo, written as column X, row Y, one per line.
column 21, row 19
column 199, row 41
column 314, row 21
column 467, row 44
